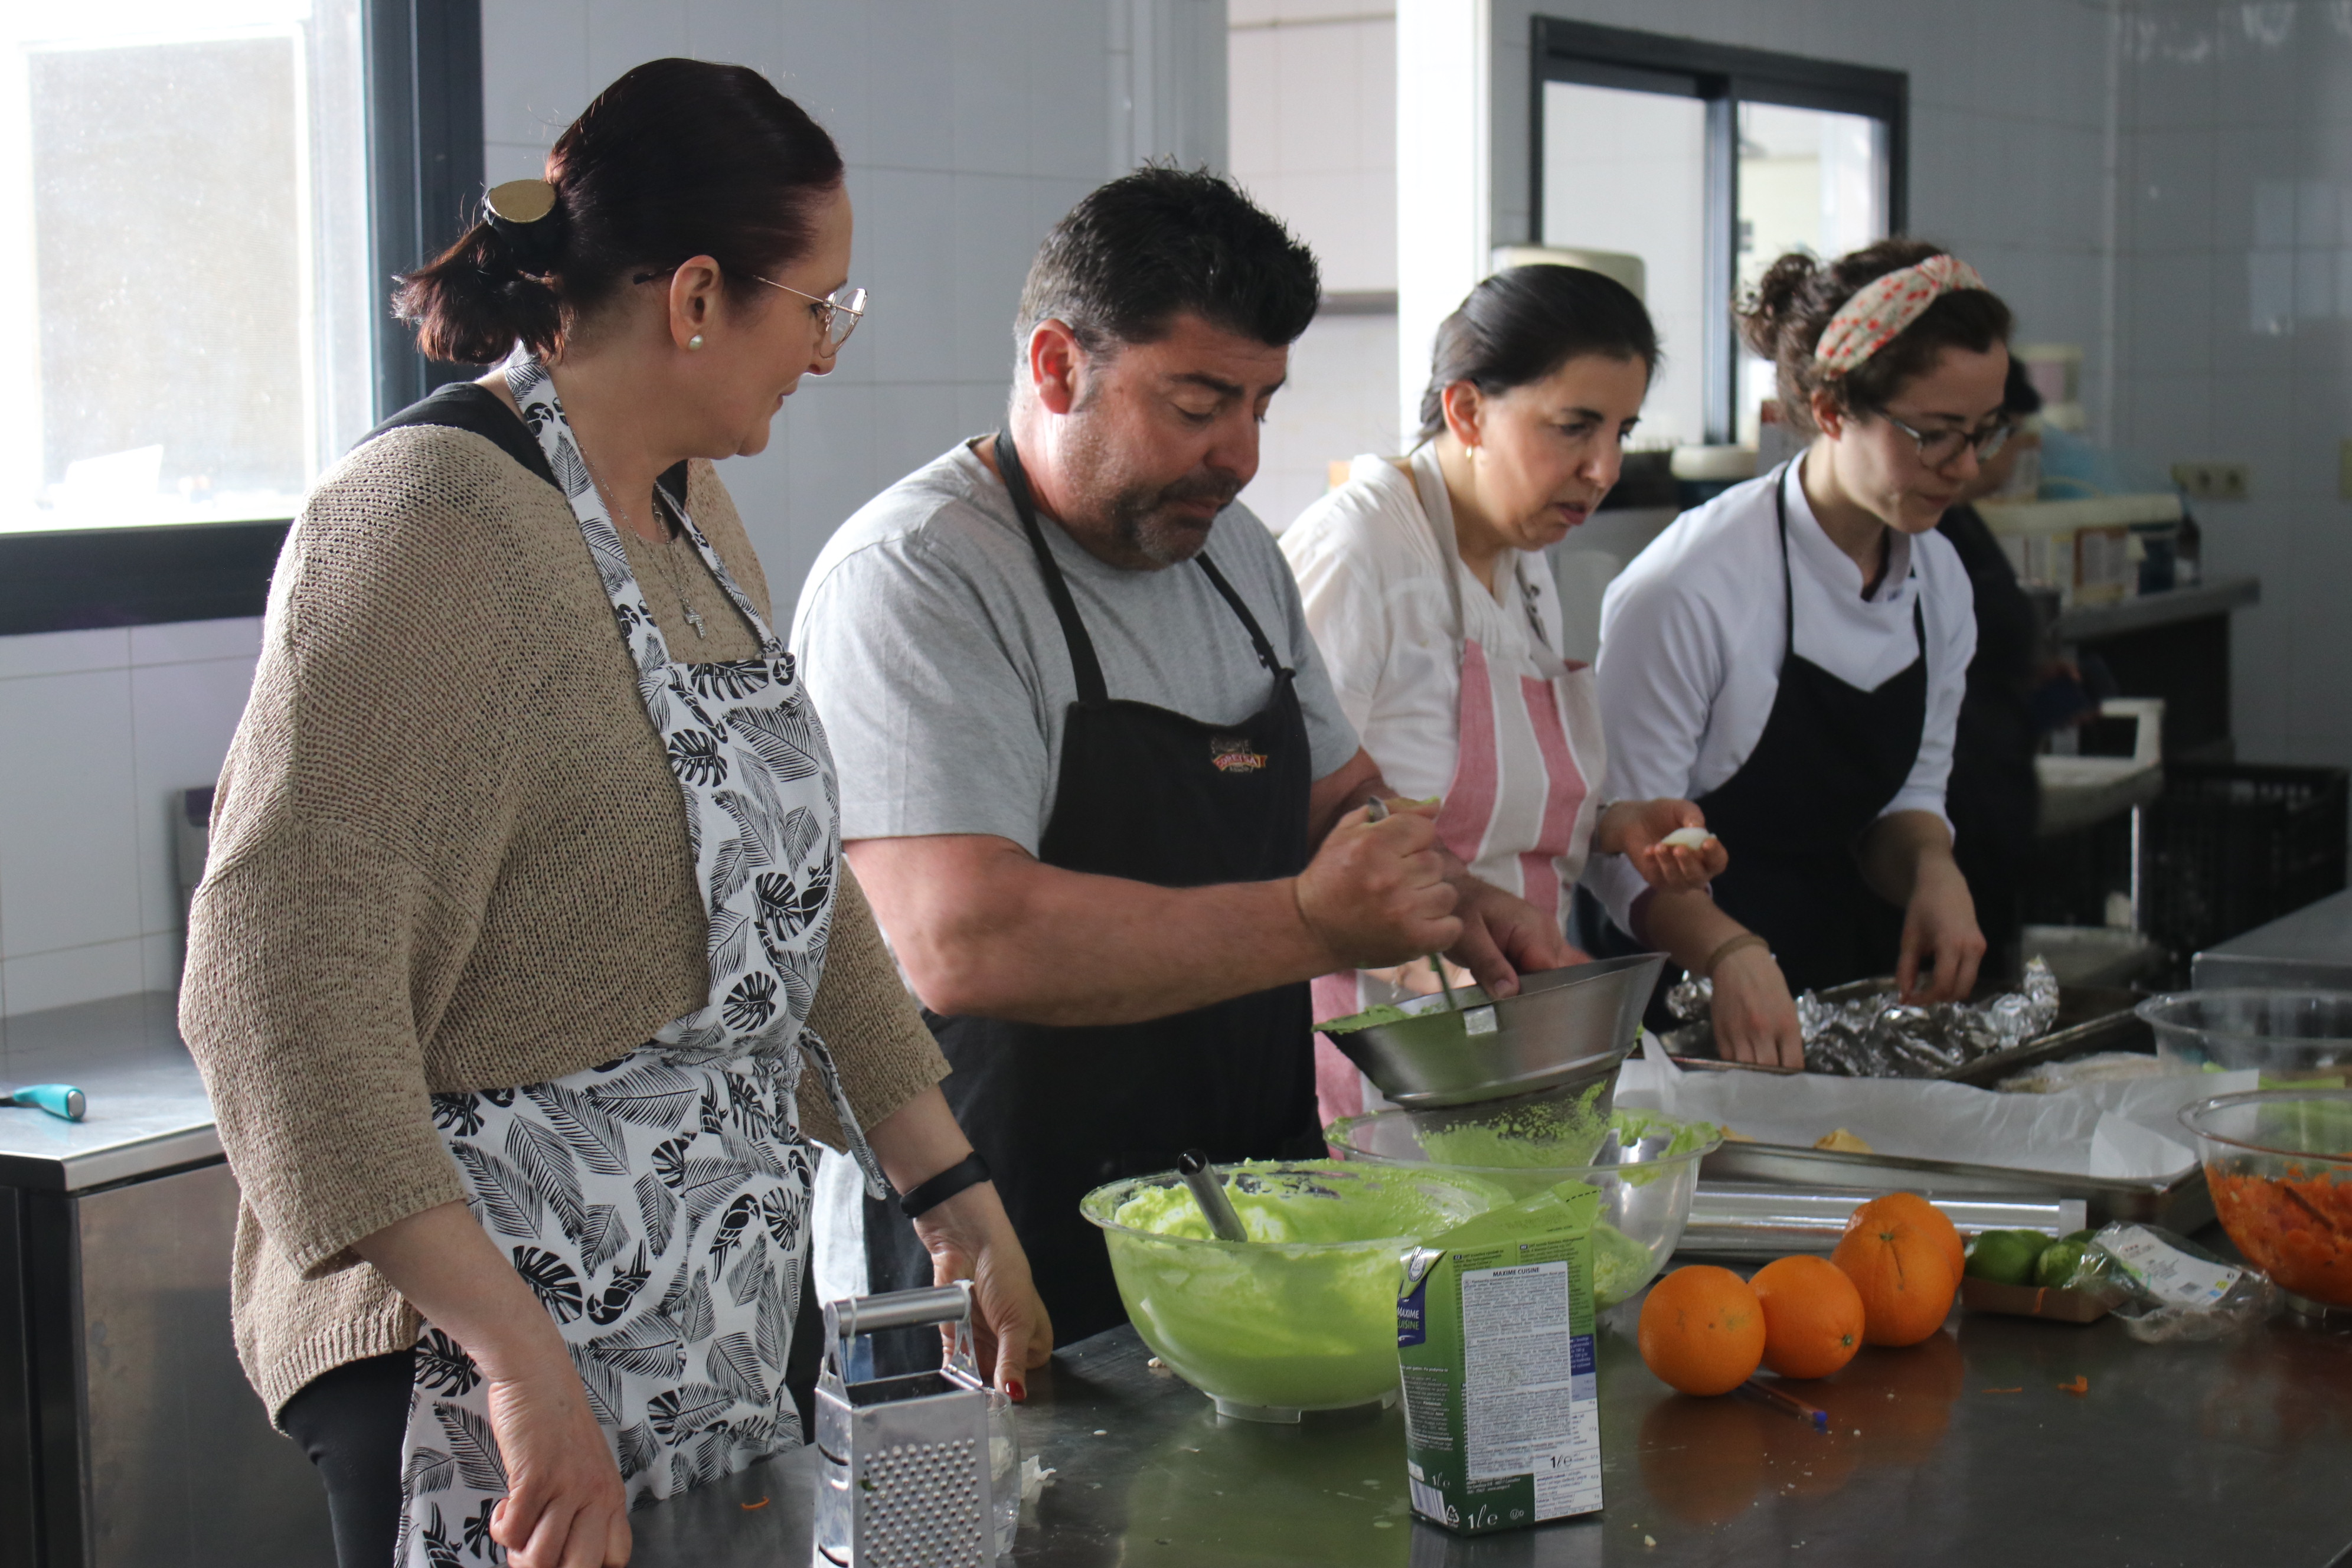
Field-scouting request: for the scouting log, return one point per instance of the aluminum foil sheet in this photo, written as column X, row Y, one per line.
column 1880, row 1037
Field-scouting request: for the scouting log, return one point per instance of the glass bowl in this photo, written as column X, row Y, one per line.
column 2290, row 1037
column 1301, row 1317
column 2279, row 1161
column 1646, row 1168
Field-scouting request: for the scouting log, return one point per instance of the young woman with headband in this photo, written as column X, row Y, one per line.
column 1791, row 656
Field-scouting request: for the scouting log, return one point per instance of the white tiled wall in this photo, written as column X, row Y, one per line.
column 968, row 126
column 2234, row 239
column 102, row 728
column 1312, row 96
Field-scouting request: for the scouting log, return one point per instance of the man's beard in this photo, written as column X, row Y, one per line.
column 1144, row 519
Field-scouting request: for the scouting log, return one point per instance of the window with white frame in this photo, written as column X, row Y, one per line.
column 183, row 251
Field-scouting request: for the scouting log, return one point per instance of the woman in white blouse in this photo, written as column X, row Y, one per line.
column 1426, row 585
column 1792, row 654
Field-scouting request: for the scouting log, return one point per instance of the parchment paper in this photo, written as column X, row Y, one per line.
column 2123, row 1129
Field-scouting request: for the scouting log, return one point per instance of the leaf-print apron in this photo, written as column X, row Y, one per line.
column 658, row 1204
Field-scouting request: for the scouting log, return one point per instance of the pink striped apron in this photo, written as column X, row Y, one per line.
column 1518, row 810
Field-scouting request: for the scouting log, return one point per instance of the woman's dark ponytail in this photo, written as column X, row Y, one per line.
column 474, row 302
column 677, row 159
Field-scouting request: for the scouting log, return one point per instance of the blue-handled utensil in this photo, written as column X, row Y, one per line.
column 59, row 1099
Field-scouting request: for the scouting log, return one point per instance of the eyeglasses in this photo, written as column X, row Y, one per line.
column 1938, row 448
column 837, row 313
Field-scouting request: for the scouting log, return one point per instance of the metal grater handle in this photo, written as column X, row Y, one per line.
column 904, row 1308
column 854, row 1315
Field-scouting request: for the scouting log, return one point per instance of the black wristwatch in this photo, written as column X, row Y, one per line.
column 967, row 1172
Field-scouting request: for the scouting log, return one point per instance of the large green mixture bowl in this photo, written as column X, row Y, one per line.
column 1645, row 1166
column 1303, row 1315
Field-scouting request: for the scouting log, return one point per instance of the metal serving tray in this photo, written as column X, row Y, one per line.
column 2091, row 1019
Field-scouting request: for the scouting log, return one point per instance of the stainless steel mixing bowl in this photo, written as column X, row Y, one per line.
column 1566, row 1025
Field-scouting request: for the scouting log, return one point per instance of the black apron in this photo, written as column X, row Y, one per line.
column 1830, row 757
column 1993, row 795
column 1152, row 797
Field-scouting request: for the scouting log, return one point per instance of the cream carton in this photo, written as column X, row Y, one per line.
column 1495, row 1337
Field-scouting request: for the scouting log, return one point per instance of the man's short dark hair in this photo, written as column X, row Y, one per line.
column 1160, row 242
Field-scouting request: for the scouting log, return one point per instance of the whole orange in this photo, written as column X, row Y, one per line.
column 1812, row 1316
column 1902, row 1270
column 1702, row 1329
column 1923, row 1215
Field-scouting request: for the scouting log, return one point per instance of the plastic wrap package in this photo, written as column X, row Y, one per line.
column 2109, row 1130
column 1881, row 1037
column 2165, row 1286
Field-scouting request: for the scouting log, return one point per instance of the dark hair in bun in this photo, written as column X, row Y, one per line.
column 1525, row 322
column 1783, row 317
column 677, row 159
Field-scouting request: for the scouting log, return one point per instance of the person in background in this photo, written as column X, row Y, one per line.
column 1426, row 588
column 1111, row 816
column 1993, row 797
column 524, row 953
column 1791, row 656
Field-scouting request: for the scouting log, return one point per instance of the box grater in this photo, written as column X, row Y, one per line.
column 915, row 1471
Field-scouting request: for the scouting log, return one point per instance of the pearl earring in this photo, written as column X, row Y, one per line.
column 695, row 341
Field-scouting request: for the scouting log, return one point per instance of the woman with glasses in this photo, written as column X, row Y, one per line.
column 1792, row 655
column 526, row 955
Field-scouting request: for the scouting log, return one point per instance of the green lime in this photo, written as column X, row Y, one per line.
column 2056, row 1265
column 2080, row 1236
column 2006, row 1257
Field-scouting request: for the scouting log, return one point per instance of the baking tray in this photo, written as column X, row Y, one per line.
column 2090, row 1019
column 2180, row 1205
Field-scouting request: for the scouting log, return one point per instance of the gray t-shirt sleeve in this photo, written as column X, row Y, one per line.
column 933, row 726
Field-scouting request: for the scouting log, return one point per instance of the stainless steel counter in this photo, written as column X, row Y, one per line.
column 147, row 1106
column 2312, row 947
column 128, row 1437
column 1963, row 1450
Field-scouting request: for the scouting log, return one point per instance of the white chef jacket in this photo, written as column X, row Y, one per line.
column 1372, row 577
column 1692, row 632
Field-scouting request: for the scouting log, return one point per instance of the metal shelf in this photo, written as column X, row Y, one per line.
column 2091, row 623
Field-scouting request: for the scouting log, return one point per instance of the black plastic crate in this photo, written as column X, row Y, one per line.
column 2232, row 846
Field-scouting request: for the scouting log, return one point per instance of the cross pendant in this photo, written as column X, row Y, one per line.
column 694, row 619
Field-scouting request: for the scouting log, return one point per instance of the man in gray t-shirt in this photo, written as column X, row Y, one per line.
column 940, row 672
column 1093, row 776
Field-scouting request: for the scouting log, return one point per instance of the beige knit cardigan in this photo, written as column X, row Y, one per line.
column 448, row 853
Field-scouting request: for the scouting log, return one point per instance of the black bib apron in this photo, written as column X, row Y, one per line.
column 1152, row 797
column 1830, row 757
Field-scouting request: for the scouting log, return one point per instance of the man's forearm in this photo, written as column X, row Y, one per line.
column 1045, row 945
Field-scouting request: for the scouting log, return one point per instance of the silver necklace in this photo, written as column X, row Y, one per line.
column 669, row 571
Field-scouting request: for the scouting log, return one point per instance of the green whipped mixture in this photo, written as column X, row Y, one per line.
column 1557, row 1135
column 1620, row 1264
column 1312, row 1326
column 1383, row 1013
column 1274, row 1210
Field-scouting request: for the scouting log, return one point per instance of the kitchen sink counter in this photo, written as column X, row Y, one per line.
column 1964, row 1450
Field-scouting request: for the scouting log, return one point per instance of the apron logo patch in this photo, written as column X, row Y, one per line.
column 1232, row 754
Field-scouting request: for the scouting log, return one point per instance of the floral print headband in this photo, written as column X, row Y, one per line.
column 1882, row 307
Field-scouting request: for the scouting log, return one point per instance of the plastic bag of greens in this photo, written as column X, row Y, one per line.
column 2165, row 1286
